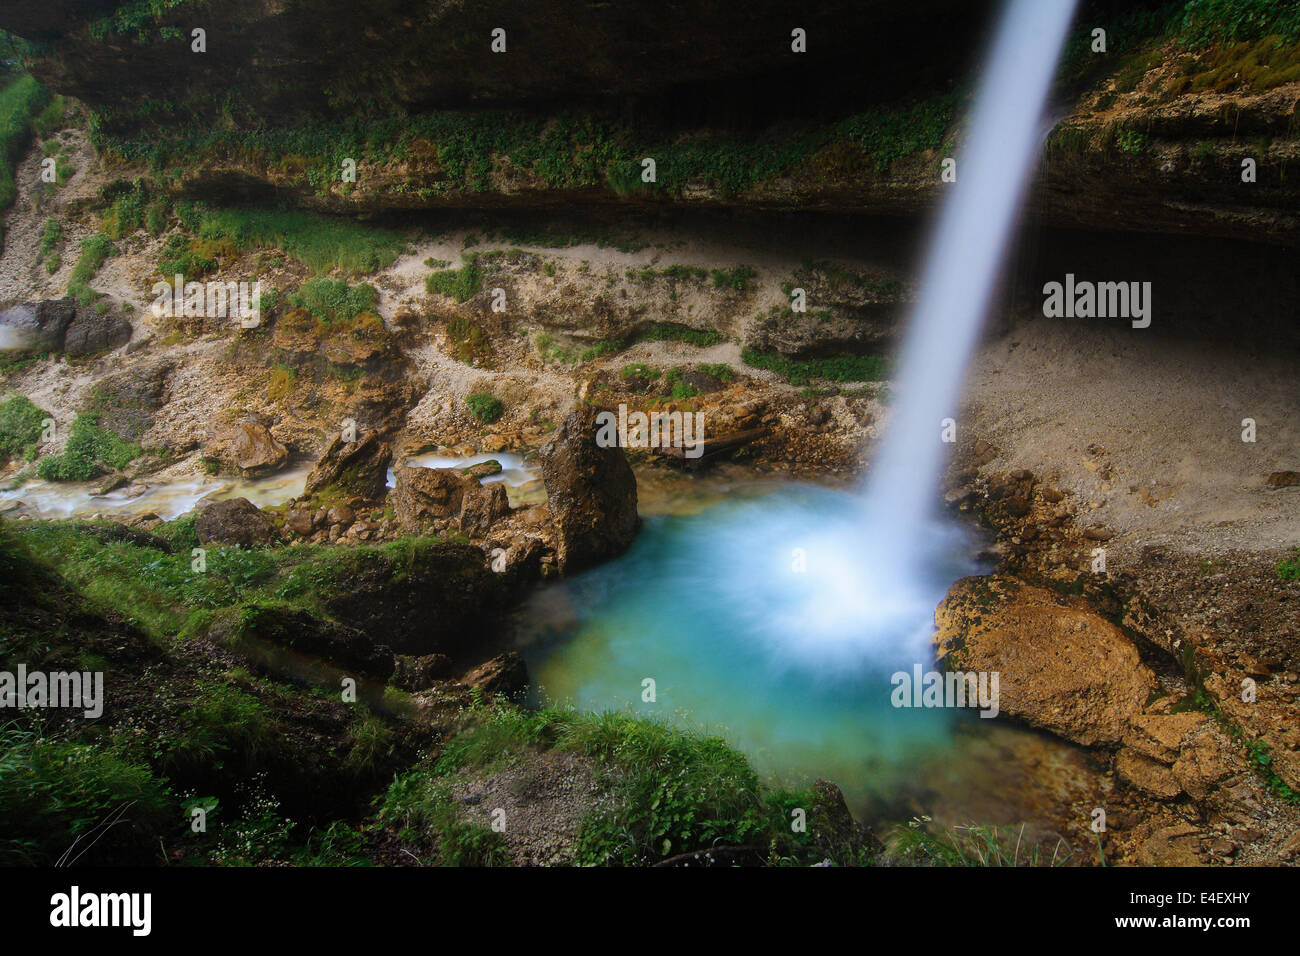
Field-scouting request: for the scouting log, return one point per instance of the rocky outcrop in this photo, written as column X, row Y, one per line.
column 92, row 332
column 434, row 598
column 234, row 521
column 354, row 468
column 504, row 674
column 60, row 325
column 591, row 492
column 271, row 635
column 1062, row 667
column 247, row 446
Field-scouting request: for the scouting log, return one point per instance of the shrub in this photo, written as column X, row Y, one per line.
column 20, row 426
column 91, row 450
column 485, row 407
column 333, row 300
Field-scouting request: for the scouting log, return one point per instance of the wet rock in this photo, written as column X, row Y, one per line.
column 357, row 468
column 261, row 631
column 481, row 506
column 833, row 829
column 591, row 492
column 484, row 469
column 300, row 521
column 125, row 401
column 705, row 382
column 1062, row 667
column 504, row 674
column 247, row 446
column 234, row 521
column 1283, row 479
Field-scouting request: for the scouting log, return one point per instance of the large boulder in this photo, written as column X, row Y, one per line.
column 234, row 521
column 356, row 468
column 1062, row 667
column 423, row 495
column 126, row 401
column 37, row 326
column 591, row 492
column 92, row 332
column 504, row 674
column 247, row 446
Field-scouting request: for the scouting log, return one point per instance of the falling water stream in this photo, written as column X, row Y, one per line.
column 777, row 619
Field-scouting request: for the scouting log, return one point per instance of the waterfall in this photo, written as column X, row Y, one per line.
column 1002, row 144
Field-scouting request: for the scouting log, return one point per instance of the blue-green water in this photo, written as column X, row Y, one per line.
column 790, row 661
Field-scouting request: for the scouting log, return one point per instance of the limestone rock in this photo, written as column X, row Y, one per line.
column 591, row 492
column 357, row 468
column 1062, row 667
column 248, row 446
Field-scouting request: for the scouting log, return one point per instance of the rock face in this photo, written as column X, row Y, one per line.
column 591, row 492
column 1061, row 666
column 60, row 325
column 247, row 446
column 356, row 468
column 234, row 521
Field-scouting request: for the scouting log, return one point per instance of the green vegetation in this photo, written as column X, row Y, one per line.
column 21, row 99
column 1288, row 569
column 91, row 451
column 95, row 250
column 673, row 791
column 719, row 370
column 844, row 368
column 485, row 407
column 739, row 278
column 460, row 284
column 470, row 343
column 20, row 427
column 51, row 240
column 55, row 793
column 970, row 846
column 891, row 133
column 334, row 300
column 184, row 256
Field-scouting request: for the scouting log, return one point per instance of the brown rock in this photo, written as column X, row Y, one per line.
column 591, row 492
column 234, row 521
column 247, row 446
column 1149, row 776
column 1159, row 736
column 503, row 674
column 357, row 468
column 1283, row 479
column 421, row 495
column 1061, row 666
column 1202, row 765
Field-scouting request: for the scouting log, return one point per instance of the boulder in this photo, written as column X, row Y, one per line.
column 247, row 446
column 234, row 521
column 91, row 332
column 591, row 493
column 417, row 673
column 423, row 495
column 357, row 468
column 504, row 674
column 1062, row 667
column 37, row 326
